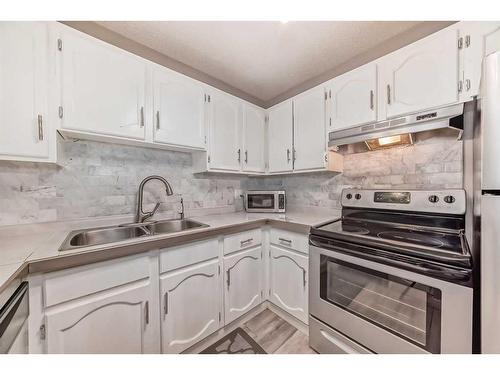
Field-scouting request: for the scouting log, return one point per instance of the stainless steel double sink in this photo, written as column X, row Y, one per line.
column 104, row 235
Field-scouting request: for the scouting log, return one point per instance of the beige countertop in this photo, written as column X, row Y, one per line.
column 35, row 247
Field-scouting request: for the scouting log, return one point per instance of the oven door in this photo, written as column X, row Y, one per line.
column 387, row 309
column 261, row 202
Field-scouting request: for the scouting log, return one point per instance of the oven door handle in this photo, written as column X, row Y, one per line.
column 420, row 266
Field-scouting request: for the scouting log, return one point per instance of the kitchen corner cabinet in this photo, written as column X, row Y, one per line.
column 191, row 305
column 243, row 283
column 253, row 150
column 225, row 119
column 115, row 323
column 25, row 129
column 289, row 282
column 103, row 88
column 420, row 76
column 178, row 109
column 309, row 142
column 280, row 137
column 351, row 99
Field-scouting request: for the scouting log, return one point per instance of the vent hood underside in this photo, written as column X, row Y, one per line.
column 446, row 117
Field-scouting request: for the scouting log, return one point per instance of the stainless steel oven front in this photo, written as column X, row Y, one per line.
column 265, row 201
column 384, row 309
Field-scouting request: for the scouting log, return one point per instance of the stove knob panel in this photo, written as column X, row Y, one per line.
column 449, row 199
column 357, row 196
column 433, row 198
column 349, row 196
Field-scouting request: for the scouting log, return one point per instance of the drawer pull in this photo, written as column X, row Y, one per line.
column 289, row 242
column 338, row 343
column 245, row 242
column 165, row 304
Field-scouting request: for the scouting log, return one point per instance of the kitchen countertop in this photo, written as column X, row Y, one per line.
column 35, row 247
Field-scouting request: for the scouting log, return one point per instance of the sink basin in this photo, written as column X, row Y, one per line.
column 172, row 226
column 101, row 236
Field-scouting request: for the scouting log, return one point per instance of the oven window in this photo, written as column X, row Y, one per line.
column 265, row 201
column 406, row 308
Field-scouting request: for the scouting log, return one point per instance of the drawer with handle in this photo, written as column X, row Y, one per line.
column 291, row 240
column 242, row 241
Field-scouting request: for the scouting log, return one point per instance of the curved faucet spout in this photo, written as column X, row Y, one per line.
column 141, row 215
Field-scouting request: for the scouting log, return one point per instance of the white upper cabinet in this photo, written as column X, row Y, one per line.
column 224, row 138
column 476, row 39
column 420, row 76
column 351, row 99
column 243, row 279
column 25, row 131
column 280, row 137
column 179, row 109
column 116, row 323
column 309, row 130
column 254, row 123
column 103, row 87
column 191, row 305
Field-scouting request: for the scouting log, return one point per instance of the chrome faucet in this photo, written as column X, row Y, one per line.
column 141, row 215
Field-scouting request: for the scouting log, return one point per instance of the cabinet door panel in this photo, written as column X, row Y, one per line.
column 103, row 88
column 289, row 275
column 179, row 110
column 352, row 98
column 225, row 124
column 253, row 135
column 421, row 76
column 191, row 306
column 23, row 90
column 242, row 283
column 113, row 324
column 280, row 130
column 309, row 130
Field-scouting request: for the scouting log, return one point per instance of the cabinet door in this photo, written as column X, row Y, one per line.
column 280, row 130
column 289, row 276
column 103, row 88
column 309, row 142
column 191, row 306
column 475, row 38
column 243, row 273
column 24, row 132
column 351, row 98
column 117, row 322
column 179, row 110
column 225, row 125
column 253, row 139
column 420, row 76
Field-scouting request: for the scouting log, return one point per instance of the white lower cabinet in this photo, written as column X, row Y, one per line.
column 117, row 322
column 289, row 282
column 243, row 283
column 191, row 305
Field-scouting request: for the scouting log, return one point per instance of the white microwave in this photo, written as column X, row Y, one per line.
column 265, row 201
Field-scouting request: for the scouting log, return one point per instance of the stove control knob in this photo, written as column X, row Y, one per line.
column 349, row 196
column 449, row 199
column 433, row 198
column 357, row 196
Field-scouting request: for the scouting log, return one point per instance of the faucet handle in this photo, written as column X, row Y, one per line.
column 155, row 209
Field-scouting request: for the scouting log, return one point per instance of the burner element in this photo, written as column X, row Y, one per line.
column 354, row 229
column 412, row 237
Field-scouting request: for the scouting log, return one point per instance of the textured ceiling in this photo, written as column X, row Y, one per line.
column 261, row 58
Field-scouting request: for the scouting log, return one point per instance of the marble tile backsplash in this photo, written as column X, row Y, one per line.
column 98, row 179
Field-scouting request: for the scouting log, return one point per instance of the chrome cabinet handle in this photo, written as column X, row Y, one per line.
column 246, row 156
column 40, row 127
column 371, row 100
column 239, row 155
column 228, row 278
column 244, row 242
column 467, row 84
column 285, row 240
column 389, row 94
column 142, row 117
column 146, row 312
column 304, row 277
column 157, row 120
column 165, row 304
column 288, row 155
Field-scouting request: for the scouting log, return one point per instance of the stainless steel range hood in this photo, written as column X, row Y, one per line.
column 446, row 117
